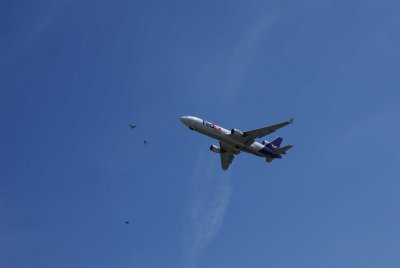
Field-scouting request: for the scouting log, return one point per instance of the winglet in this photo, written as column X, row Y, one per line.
column 291, row 120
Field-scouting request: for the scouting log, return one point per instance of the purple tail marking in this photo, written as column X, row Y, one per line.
column 277, row 142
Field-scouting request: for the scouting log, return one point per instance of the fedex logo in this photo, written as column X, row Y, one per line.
column 211, row 125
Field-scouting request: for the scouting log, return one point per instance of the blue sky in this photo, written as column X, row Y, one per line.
column 75, row 73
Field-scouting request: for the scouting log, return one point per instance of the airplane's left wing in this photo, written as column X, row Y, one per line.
column 227, row 155
column 261, row 132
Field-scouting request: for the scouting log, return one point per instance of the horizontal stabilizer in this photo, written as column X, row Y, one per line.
column 269, row 159
column 283, row 149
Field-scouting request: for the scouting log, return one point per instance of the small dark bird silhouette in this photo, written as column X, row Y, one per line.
column 145, row 142
column 131, row 126
column 126, row 222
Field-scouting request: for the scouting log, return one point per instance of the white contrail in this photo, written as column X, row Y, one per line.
column 212, row 189
column 211, row 198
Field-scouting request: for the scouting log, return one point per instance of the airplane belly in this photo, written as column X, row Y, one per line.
column 255, row 149
column 223, row 135
column 210, row 132
column 252, row 148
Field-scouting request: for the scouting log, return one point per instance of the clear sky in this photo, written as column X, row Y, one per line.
column 73, row 74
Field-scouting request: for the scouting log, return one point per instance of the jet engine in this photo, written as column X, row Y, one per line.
column 236, row 133
column 268, row 145
column 215, row 149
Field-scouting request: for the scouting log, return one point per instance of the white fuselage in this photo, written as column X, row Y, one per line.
column 221, row 134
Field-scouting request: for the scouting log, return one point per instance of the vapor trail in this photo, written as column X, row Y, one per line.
column 212, row 193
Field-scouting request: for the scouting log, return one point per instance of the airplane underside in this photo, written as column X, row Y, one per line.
column 233, row 142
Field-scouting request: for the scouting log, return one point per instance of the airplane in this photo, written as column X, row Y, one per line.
column 232, row 142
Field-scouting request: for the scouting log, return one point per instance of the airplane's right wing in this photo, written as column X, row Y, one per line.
column 261, row 132
column 227, row 155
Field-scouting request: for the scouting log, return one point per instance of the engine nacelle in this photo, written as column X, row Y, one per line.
column 215, row 149
column 237, row 133
column 268, row 145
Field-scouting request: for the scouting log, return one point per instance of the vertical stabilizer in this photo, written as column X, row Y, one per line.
column 277, row 142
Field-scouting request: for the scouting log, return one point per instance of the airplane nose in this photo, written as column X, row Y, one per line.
column 185, row 120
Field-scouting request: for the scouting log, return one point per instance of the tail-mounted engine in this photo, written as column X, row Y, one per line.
column 236, row 133
column 215, row 149
column 269, row 145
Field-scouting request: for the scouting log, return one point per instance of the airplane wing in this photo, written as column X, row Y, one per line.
column 227, row 155
column 261, row 132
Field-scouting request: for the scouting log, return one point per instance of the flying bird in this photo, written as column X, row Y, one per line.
column 126, row 222
column 131, row 126
column 145, row 142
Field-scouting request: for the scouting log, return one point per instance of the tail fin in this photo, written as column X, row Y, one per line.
column 277, row 141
